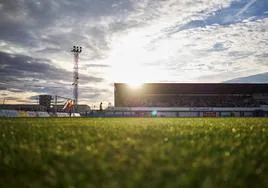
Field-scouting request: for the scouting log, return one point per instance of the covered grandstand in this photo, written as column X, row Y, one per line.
column 192, row 99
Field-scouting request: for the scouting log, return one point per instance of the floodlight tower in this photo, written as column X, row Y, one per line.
column 76, row 51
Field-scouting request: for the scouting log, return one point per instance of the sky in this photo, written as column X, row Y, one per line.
column 130, row 41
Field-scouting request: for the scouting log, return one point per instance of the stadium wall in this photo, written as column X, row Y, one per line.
column 20, row 113
column 183, row 112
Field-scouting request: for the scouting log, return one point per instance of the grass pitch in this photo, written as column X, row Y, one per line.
column 133, row 152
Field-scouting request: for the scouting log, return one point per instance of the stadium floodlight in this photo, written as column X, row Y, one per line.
column 76, row 51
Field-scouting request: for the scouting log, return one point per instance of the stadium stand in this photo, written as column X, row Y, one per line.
column 190, row 100
column 191, row 95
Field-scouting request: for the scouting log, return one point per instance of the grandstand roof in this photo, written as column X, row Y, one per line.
column 197, row 88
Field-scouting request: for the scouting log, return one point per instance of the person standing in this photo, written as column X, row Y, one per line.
column 101, row 106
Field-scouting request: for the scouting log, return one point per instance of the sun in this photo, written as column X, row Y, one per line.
column 135, row 85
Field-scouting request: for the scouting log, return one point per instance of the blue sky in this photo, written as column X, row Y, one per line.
column 129, row 41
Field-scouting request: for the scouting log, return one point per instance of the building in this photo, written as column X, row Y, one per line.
column 45, row 101
column 191, row 95
column 46, row 104
column 193, row 99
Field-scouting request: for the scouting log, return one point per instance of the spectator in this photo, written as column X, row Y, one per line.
column 101, row 106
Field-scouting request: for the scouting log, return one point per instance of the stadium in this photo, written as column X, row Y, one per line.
column 168, row 100
column 166, row 94
column 191, row 100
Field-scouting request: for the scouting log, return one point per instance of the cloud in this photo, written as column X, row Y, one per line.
column 24, row 67
column 230, row 14
column 21, row 73
column 95, row 65
column 245, row 8
column 215, row 49
column 46, row 27
column 258, row 78
column 43, row 25
column 124, row 41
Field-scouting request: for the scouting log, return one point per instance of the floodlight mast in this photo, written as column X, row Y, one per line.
column 76, row 51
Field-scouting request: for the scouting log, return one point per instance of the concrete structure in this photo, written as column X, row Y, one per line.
column 45, row 101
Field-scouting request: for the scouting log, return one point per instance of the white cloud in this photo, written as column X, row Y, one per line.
column 245, row 7
column 189, row 54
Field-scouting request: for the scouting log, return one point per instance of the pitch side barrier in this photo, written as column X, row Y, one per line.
column 19, row 113
column 183, row 112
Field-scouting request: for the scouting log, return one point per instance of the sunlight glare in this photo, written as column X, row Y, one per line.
column 135, row 85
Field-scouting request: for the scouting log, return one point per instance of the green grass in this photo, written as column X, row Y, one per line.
column 134, row 152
